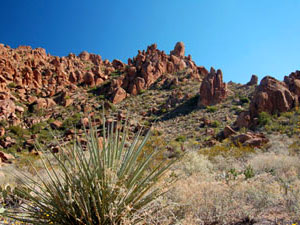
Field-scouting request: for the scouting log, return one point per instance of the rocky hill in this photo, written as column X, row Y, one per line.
column 188, row 107
column 168, row 91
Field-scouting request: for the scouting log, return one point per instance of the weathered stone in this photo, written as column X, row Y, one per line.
column 253, row 81
column 119, row 95
column 228, row 131
column 271, row 96
column 56, row 124
column 243, row 120
column 213, row 90
column 178, row 50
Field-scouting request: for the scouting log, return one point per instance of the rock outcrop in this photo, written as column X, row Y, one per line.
column 293, row 83
column 213, row 90
column 179, row 50
column 250, row 139
column 271, row 96
column 147, row 67
column 253, row 81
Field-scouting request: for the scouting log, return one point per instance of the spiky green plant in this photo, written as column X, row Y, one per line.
column 101, row 185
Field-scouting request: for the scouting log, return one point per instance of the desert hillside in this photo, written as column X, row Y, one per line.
column 237, row 144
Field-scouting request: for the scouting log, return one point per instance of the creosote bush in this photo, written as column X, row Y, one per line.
column 111, row 184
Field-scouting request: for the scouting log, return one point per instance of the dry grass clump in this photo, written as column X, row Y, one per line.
column 274, row 163
column 208, row 193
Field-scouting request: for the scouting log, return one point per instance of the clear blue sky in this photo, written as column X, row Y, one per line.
column 242, row 37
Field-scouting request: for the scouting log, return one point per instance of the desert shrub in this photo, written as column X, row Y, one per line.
column 274, row 163
column 238, row 110
column 249, row 172
column 103, row 185
column 36, row 128
column 181, row 138
column 264, row 118
column 227, row 150
column 215, row 123
column 211, row 108
column 18, row 130
column 72, row 121
column 194, row 163
column 3, row 123
column 244, row 100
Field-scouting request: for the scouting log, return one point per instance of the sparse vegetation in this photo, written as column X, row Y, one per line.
column 103, row 186
column 211, row 109
column 264, row 118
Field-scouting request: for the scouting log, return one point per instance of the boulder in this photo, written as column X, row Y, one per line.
column 119, row 95
column 228, row 131
column 250, row 139
column 6, row 158
column 56, row 124
column 118, row 64
column 293, row 83
column 243, row 120
column 88, row 79
column 271, row 96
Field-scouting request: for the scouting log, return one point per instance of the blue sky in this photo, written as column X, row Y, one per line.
column 241, row 37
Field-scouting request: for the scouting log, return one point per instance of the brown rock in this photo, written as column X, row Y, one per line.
column 2, row 131
column 84, row 56
column 131, row 71
column 213, row 90
column 253, row 81
column 178, row 50
column 293, row 83
column 119, row 95
column 56, row 124
column 85, row 122
column 250, row 139
column 89, row 79
column 243, row 120
column 6, row 158
column 7, row 108
column 228, row 131
column 118, row 64
column 68, row 102
column 271, row 96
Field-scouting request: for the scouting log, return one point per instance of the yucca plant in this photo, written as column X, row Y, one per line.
column 93, row 184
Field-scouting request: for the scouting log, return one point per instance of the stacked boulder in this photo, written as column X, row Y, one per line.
column 213, row 90
column 272, row 96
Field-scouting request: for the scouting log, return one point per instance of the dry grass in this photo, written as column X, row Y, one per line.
column 205, row 194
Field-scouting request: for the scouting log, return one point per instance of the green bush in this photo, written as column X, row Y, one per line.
column 181, row 138
column 211, row 108
column 102, row 185
column 17, row 130
column 72, row 121
column 244, row 100
column 215, row 123
column 264, row 118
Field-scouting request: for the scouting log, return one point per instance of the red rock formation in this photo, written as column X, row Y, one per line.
column 213, row 90
column 144, row 69
column 243, row 120
column 178, row 50
column 250, row 139
column 271, row 96
column 253, row 81
column 119, row 95
column 293, row 83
